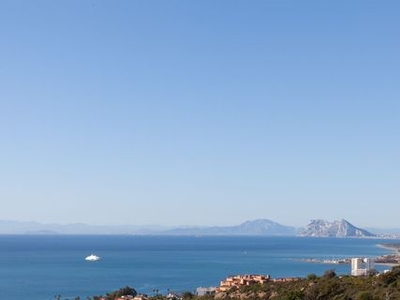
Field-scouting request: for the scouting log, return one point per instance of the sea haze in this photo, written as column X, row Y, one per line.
column 40, row 267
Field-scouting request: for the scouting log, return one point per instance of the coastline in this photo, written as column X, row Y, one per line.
column 390, row 260
column 387, row 264
column 392, row 247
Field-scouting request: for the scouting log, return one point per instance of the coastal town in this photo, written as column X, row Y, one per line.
column 392, row 259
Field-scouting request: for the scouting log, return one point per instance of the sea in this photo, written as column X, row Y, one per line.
column 42, row 267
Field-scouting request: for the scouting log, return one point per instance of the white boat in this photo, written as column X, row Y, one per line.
column 92, row 257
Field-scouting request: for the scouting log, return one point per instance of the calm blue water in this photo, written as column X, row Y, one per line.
column 41, row 267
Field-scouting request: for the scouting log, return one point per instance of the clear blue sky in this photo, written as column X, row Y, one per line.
column 200, row 112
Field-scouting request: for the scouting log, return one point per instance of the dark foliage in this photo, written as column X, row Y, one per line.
column 125, row 291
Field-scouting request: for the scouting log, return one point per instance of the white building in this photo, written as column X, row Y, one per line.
column 360, row 266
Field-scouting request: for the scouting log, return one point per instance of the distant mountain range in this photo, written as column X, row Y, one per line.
column 256, row 227
column 15, row 227
column 261, row 227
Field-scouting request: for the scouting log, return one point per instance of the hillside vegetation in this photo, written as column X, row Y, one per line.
column 327, row 287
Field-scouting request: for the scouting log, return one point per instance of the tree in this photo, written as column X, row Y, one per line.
column 311, row 276
column 125, row 291
column 329, row 274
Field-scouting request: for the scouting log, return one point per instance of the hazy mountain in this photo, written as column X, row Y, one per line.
column 384, row 231
column 15, row 227
column 256, row 227
column 261, row 227
column 339, row 228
